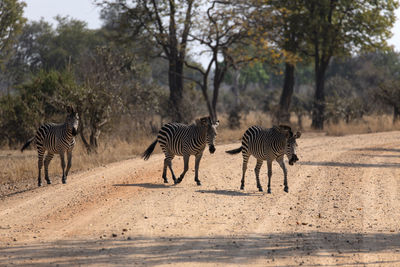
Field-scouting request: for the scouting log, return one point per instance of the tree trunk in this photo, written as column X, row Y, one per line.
column 175, row 70
column 85, row 142
column 215, row 101
column 300, row 121
column 234, row 112
column 319, row 97
column 283, row 114
column 204, row 90
column 92, row 143
column 175, row 79
column 218, row 78
column 396, row 114
column 235, row 87
column 94, row 136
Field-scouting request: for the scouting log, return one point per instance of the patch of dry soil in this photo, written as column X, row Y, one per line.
column 343, row 208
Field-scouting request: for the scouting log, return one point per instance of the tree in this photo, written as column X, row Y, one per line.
column 339, row 28
column 11, row 22
column 387, row 81
column 29, row 51
column 168, row 24
column 283, row 21
column 39, row 46
column 226, row 34
column 70, row 40
column 103, row 73
column 31, row 105
column 219, row 31
column 389, row 94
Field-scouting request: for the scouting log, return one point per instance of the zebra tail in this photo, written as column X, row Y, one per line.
column 27, row 144
column 234, row 151
column 149, row 150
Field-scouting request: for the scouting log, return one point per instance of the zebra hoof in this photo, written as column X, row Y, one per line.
column 260, row 189
column 39, row 184
column 177, row 181
column 286, row 189
column 48, row 181
column 242, row 187
column 198, row 182
column 64, row 181
column 269, row 191
column 165, row 181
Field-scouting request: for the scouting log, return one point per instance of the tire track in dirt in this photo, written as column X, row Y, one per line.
column 341, row 209
column 85, row 194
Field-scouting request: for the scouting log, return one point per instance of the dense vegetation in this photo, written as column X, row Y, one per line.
column 325, row 59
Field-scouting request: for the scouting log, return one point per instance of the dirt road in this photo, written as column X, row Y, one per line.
column 343, row 208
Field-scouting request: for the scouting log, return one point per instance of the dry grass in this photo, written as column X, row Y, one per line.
column 17, row 167
column 227, row 135
column 18, row 171
column 369, row 124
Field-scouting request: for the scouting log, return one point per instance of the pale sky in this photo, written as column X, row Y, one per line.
column 85, row 10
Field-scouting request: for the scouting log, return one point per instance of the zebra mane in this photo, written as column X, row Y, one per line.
column 203, row 121
column 285, row 129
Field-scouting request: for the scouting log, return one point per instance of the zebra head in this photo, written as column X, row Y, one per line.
column 291, row 144
column 72, row 120
column 211, row 128
column 291, row 148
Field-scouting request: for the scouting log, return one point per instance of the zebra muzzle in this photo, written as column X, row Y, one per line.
column 74, row 132
column 212, row 149
column 293, row 159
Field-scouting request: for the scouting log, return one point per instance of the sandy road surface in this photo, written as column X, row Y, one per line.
column 343, row 208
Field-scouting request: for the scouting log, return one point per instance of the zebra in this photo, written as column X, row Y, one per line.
column 268, row 144
column 55, row 138
column 184, row 140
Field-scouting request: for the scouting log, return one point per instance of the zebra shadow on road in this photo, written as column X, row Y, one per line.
column 349, row 164
column 362, row 165
column 379, row 149
column 380, row 156
column 230, row 192
column 147, row 185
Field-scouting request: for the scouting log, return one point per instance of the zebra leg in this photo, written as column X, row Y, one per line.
column 164, row 174
column 169, row 164
column 245, row 160
column 196, row 168
column 62, row 160
column 47, row 160
column 69, row 157
column 69, row 164
column 269, row 164
column 40, row 164
column 185, row 168
column 285, row 182
column 257, row 172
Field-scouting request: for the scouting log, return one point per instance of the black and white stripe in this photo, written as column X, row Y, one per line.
column 55, row 139
column 268, row 144
column 177, row 139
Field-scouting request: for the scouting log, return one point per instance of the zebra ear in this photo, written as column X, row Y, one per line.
column 285, row 127
column 287, row 130
column 297, row 135
column 204, row 121
column 70, row 109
